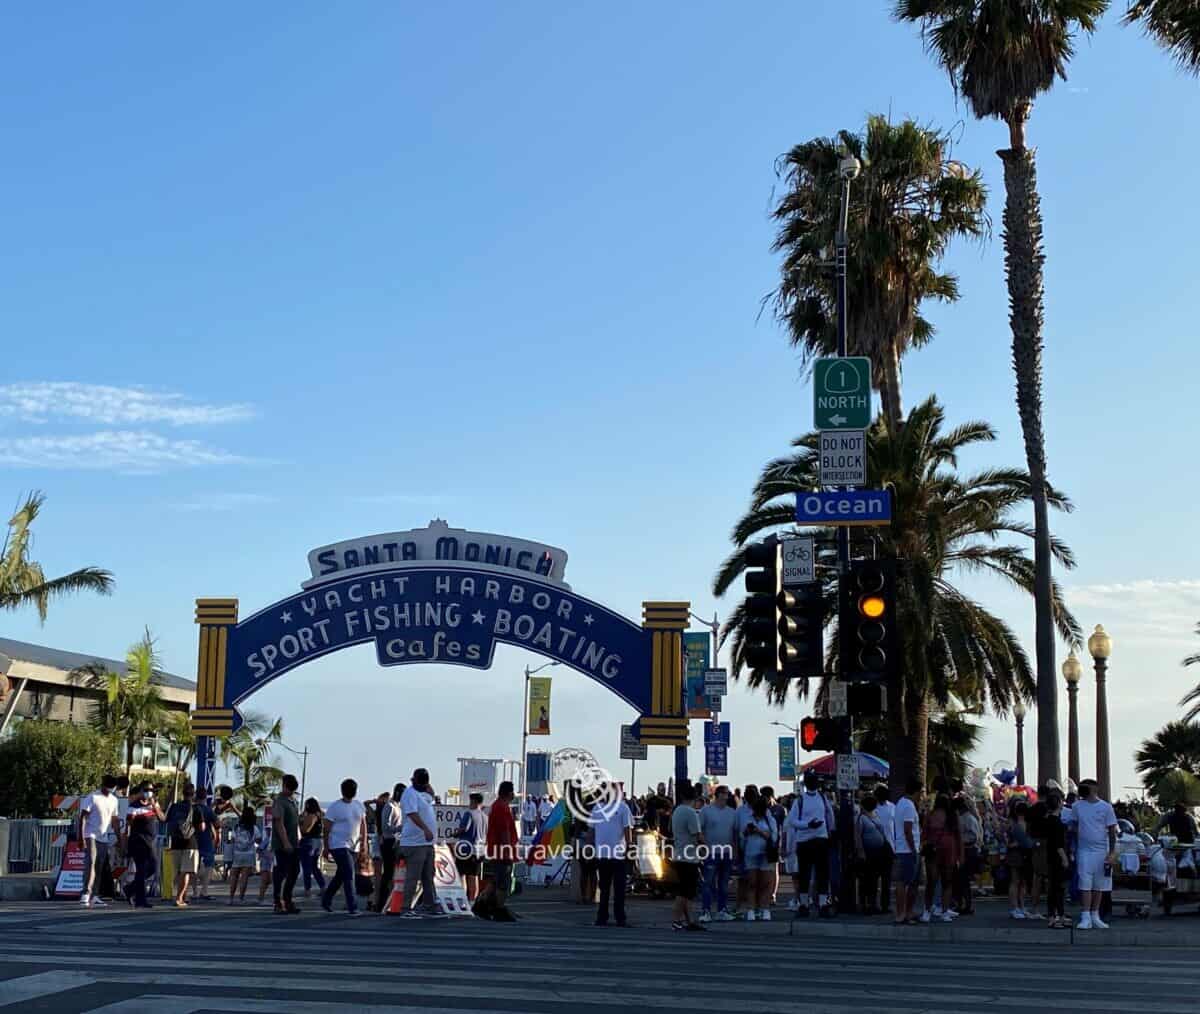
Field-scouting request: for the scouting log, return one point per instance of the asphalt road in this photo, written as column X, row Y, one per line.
column 58, row 958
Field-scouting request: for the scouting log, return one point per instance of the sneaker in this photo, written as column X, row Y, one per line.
column 1016, row 913
column 724, row 916
column 355, row 914
column 925, row 916
column 705, row 917
column 937, row 911
column 327, row 908
column 949, row 915
column 945, row 917
column 765, row 915
column 98, row 903
column 1098, row 923
column 412, row 913
column 1085, row 921
column 1037, row 916
column 695, row 927
column 792, row 904
column 750, row 914
column 678, row 925
column 85, row 900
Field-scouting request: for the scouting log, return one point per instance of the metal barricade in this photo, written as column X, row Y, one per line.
column 35, row 846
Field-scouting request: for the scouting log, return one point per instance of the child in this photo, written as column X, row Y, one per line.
column 247, row 837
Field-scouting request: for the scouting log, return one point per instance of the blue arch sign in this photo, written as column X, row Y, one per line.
column 441, row 596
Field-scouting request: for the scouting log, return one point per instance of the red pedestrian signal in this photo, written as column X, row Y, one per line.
column 820, row 734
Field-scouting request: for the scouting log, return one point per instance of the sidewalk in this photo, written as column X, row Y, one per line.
column 991, row 924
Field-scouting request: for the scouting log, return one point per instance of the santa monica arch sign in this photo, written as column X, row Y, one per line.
column 438, row 595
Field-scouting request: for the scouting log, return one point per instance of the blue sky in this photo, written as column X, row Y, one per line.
column 347, row 268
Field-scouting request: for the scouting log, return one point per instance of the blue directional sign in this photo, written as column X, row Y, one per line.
column 716, row 733
column 850, row 507
column 716, row 760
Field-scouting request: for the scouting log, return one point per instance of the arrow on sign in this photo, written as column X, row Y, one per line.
column 838, row 420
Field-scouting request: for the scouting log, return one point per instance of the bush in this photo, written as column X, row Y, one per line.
column 42, row 759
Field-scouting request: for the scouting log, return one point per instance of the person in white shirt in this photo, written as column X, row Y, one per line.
column 1095, row 826
column 97, row 832
column 885, row 810
column 613, row 826
column 545, row 808
column 810, row 823
column 345, row 841
column 906, row 843
column 417, row 835
column 529, row 816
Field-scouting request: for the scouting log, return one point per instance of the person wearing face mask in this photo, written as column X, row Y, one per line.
column 810, row 823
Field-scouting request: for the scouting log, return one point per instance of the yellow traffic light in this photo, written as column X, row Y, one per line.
column 872, row 606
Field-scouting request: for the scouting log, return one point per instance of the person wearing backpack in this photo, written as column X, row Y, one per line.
column 874, row 853
column 184, row 821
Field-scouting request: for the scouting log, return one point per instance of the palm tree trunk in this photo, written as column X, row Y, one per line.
column 1023, row 259
column 893, row 410
column 899, row 744
column 128, row 757
column 918, row 733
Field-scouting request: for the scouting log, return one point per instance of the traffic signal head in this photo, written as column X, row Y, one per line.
column 821, row 734
column 867, row 635
column 762, row 587
column 783, row 626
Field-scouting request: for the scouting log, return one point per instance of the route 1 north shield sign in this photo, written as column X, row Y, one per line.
column 842, row 393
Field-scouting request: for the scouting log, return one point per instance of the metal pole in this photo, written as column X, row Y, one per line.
column 525, row 738
column 1103, row 766
column 1073, row 733
column 303, row 775
column 1020, row 751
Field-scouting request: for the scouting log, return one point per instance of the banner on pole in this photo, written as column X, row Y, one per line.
column 539, row 705
column 695, row 660
column 787, row 757
column 697, row 699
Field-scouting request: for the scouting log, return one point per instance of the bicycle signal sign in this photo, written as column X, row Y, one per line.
column 799, row 561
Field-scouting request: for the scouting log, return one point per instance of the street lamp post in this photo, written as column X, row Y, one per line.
column 1100, row 648
column 525, row 726
column 1072, row 671
column 1019, row 715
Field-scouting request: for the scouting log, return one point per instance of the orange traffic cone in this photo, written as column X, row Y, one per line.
column 395, row 902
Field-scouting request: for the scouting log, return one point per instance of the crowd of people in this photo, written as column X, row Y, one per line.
column 726, row 848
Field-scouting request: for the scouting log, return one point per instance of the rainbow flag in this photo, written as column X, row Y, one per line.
column 551, row 837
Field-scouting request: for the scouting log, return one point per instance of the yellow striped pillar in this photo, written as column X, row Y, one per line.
column 666, row 724
column 211, row 717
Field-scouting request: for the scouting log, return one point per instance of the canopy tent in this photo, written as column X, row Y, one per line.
column 869, row 766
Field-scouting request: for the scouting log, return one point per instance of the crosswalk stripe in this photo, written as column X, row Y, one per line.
column 829, row 968
column 30, row 987
column 161, row 1004
column 659, row 996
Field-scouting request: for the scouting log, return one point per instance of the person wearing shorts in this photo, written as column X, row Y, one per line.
column 685, row 859
column 243, row 863
column 1095, row 826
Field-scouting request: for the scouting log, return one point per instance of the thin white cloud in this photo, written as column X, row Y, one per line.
column 113, row 450
column 1165, row 612
column 221, row 502
column 111, row 406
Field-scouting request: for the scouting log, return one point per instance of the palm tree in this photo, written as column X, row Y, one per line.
column 1193, row 696
column 1174, row 25
column 1001, row 55
column 22, row 581
column 132, row 706
column 249, row 750
column 908, row 203
column 943, row 523
column 178, row 728
column 1175, row 747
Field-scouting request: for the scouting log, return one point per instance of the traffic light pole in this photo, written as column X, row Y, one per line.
column 847, row 170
